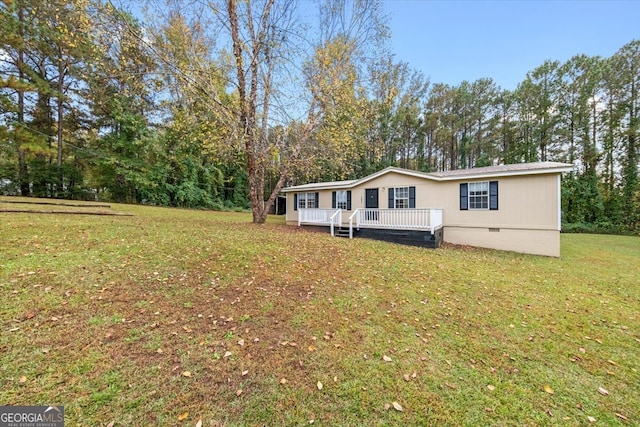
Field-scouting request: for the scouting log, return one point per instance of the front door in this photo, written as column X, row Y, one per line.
column 371, row 202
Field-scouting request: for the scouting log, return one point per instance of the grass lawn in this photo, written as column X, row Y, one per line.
column 172, row 317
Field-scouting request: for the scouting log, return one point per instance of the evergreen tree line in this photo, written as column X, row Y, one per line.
column 95, row 104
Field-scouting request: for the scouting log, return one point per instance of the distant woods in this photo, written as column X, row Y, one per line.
column 218, row 105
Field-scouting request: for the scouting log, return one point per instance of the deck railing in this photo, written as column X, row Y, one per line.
column 330, row 217
column 397, row 219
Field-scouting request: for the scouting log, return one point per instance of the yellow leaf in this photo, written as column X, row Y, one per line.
column 183, row 416
column 397, row 406
column 186, row 374
column 548, row 389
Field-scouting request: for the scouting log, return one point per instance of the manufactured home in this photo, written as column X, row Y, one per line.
column 507, row 207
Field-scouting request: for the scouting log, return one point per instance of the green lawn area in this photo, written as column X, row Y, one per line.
column 171, row 317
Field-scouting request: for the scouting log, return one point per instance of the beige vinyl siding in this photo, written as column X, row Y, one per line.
column 524, row 202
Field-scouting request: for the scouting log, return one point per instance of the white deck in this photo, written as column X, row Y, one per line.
column 422, row 219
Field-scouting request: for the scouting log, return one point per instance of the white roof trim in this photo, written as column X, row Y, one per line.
column 518, row 169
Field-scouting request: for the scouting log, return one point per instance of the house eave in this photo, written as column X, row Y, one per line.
column 539, row 168
column 496, row 174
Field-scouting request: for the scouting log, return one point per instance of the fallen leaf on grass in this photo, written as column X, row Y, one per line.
column 397, row 406
column 183, row 416
column 451, row 386
column 22, row 379
column 622, row 417
column 241, row 342
column 283, row 381
column 406, row 377
column 227, row 354
column 199, row 423
column 238, row 392
column 111, row 424
column 491, row 387
column 603, row 391
column 186, row 374
column 387, row 406
column 591, row 419
column 548, row 389
column 386, row 358
column 319, row 385
column 245, row 372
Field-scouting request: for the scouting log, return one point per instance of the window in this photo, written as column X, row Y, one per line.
column 307, row 200
column 402, row 197
column 479, row 195
column 341, row 199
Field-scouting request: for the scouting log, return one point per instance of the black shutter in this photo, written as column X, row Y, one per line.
column 464, row 197
column 391, row 205
column 317, row 200
column 333, row 200
column 493, row 195
column 295, row 201
column 349, row 200
column 412, row 197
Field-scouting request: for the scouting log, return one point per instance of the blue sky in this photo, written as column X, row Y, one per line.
column 452, row 41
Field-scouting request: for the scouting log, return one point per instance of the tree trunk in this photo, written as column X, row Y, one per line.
column 23, row 178
column 60, row 105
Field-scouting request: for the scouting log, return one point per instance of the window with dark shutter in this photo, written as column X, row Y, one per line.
column 479, row 195
column 402, row 197
column 340, row 199
column 349, row 200
column 295, row 202
column 333, row 200
column 306, row 201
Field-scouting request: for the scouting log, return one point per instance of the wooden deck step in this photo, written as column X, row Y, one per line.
column 341, row 232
